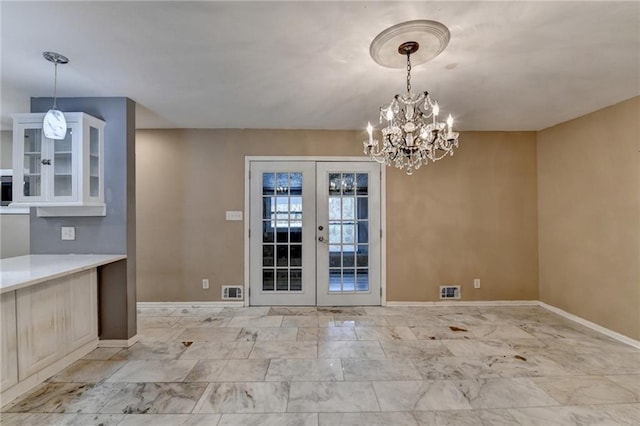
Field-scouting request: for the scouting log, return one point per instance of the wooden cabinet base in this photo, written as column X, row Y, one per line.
column 31, row 382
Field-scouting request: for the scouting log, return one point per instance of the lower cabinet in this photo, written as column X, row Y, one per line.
column 54, row 319
column 40, row 326
column 9, row 354
column 81, row 311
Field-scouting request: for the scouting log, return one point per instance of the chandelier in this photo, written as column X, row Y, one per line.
column 412, row 134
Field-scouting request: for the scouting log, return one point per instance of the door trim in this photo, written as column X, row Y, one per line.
column 247, row 217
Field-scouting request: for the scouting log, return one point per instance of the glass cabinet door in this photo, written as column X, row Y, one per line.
column 31, row 171
column 94, row 162
column 63, row 162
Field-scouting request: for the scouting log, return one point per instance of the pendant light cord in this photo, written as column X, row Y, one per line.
column 55, row 85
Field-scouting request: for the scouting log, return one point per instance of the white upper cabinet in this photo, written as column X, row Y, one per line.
column 60, row 177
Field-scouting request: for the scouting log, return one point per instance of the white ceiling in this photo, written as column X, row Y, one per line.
column 508, row 66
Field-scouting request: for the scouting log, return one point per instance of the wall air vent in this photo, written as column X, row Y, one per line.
column 449, row 292
column 231, row 292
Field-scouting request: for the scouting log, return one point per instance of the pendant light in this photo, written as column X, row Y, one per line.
column 54, row 124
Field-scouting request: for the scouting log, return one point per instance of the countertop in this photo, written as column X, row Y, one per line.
column 24, row 271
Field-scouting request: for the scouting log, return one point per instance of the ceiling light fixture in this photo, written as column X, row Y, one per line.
column 412, row 135
column 54, row 124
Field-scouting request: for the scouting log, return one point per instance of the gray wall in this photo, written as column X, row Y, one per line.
column 113, row 233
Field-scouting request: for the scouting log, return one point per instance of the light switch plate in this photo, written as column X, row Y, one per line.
column 68, row 233
column 234, row 215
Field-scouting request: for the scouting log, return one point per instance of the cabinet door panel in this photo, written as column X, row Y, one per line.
column 81, row 310
column 28, row 154
column 9, row 354
column 40, row 317
column 64, row 155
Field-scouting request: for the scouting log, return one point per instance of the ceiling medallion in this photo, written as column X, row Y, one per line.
column 412, row 135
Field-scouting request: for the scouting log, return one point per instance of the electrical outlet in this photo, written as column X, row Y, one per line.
column 205, row 284
column 67, row 233
column 233, row 215
column 476, row 283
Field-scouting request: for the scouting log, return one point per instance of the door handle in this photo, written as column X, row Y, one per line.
column 322, row 240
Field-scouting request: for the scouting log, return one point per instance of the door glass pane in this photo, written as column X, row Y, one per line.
column 348, row 184
column 62, row 170
column 348, row 232
column 295, row 279
column 335, row 183
column 267, row 280
column 335, row 208
column 94, row 162
column 282, row 279
column 295, row 234
column 282, row 257
column 282, row 183
column 362, row 256
column 267, row 255
column 362, row 279
column 362, row 232
column 295, row 187
column 295, row 255
column 268, row 233
column 363, row 208
column 32, row 163
column 348, row 259
column 268, row 183
column 362, row 184
column 282, row 224
column 348, row 279
column 335, row 280
column 348, row 208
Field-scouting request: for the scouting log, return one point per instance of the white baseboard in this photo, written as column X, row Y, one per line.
column 592, row 325
column 118, row 343
column 26, row 385
column 222, row 303
column 468, row 303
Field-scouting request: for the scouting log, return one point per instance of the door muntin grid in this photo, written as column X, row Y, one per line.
column 282, row 232
column 348, row 232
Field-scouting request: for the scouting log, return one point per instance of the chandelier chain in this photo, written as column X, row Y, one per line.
column 408, row 72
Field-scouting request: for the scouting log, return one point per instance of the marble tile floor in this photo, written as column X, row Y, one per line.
column 519, row 365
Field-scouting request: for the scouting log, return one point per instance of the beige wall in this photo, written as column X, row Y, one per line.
column 589, row 217
column 472, row 215
column 469, row 216
column 14, row 235
column 6, row 149
column 14, row 228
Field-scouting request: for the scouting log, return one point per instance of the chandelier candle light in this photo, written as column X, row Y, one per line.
column 412, row 135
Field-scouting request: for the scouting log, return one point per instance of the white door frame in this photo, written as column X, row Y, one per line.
column 247, row 221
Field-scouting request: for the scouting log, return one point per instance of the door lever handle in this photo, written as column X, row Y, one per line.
column 322, row 240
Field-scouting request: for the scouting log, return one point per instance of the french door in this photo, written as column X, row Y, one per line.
column 314, row 233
